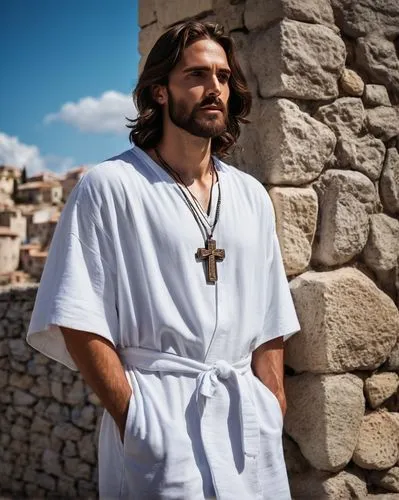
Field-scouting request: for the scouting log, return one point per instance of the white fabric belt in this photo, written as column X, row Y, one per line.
column 208, row 378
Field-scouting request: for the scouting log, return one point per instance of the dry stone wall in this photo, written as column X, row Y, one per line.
column 323, row 139
column 49, row 419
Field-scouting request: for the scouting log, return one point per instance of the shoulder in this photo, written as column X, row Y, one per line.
column 107, row 181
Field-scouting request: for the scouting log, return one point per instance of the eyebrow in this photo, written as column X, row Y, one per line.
column 205, row 68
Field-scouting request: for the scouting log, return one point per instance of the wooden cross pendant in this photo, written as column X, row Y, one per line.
column 211, row 253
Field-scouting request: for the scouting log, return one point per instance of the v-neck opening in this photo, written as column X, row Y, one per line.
column 168, row 178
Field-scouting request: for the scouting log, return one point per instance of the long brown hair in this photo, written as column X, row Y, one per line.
column 146, row 129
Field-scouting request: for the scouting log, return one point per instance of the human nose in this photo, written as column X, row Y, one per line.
column 214, row 86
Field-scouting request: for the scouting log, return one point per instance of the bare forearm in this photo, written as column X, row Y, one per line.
column 268, row 366
column 100, row 366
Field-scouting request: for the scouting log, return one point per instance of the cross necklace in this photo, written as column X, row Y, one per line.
column 210, row 253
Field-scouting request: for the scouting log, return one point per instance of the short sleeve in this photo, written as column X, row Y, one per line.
column 77, row 287
column 280, row 317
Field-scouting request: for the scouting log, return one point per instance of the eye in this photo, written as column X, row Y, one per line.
column 223, row 77
column 196, row 72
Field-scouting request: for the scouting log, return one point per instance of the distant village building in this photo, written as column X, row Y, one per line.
column 7, row 176
column 9, row 250
column 43, row 177
column 14, row 220
column 70, row 180
column 33, row 260
column 40, row 192
column 42, row 225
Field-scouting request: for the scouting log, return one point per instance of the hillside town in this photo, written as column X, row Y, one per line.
column 29, row 211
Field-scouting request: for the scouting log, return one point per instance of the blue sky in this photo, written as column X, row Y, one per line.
column 67, row 73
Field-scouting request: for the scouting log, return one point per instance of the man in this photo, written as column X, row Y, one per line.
column 165, row 287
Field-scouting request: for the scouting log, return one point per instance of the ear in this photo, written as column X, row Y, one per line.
column 159, row 94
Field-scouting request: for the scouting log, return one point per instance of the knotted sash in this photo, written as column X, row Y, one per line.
column 209, row 376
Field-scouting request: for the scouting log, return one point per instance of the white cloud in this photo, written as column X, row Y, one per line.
column 104, row 114
column 17, row 154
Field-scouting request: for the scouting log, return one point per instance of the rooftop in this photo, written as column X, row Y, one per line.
column 38, row 185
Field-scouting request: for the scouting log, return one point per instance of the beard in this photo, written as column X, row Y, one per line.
column 195, row 122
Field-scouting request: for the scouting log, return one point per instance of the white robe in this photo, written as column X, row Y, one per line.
column 122, row 265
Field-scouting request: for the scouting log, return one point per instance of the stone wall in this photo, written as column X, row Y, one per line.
column 324, row 141
column 49, row 419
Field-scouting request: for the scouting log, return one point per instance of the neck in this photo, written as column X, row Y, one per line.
column 189, row 156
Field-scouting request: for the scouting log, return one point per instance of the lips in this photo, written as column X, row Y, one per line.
column 212, row 108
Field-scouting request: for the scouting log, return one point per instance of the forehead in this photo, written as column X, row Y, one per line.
column 203, row 53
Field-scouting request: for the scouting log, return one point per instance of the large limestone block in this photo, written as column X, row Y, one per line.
column 247, row 155
column 294, row 146
column 377, row 57
column 345, row 200
column 258, row 15
column 317, row 485
column 298, row 60
column 365, row 154
column 347, row 323
column 393, row 359
column 345, row 116
column 389, row 183
column 359, row 17
column 383, row 122
column 324, row 416
column 351, row 83
column 177, row 10
column 229, row 14
column 381, row 252
column 379, row 387
column 148, row 36
column 387, row 479
column 296, row 219
column 295, row 462
column 147, row 12
column 376, row 95
column 378, row 442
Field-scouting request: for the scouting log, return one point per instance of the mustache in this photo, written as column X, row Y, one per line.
column 212, row 101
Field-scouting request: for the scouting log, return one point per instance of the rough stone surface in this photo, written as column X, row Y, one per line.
column 389, row 183
column 294, row 146
column 298, row 60
column 383, row 122
column 345, row 116
column 379, row 387
column 336, row 334
column 317, row 485
column 177, row 10
column 351, row 83
column 376, row 95
column 381, row 252
column 148, row 36
column 389, row 480
column 345, row 199
column 377, row 57
column 309, row 11
column 324, row 416
column 357, row 18
column 393, row 359
column 365, row 154
column 296, row 218
column 294, row 460
column 229, row 14
column 378, row 442
column 147, row 12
